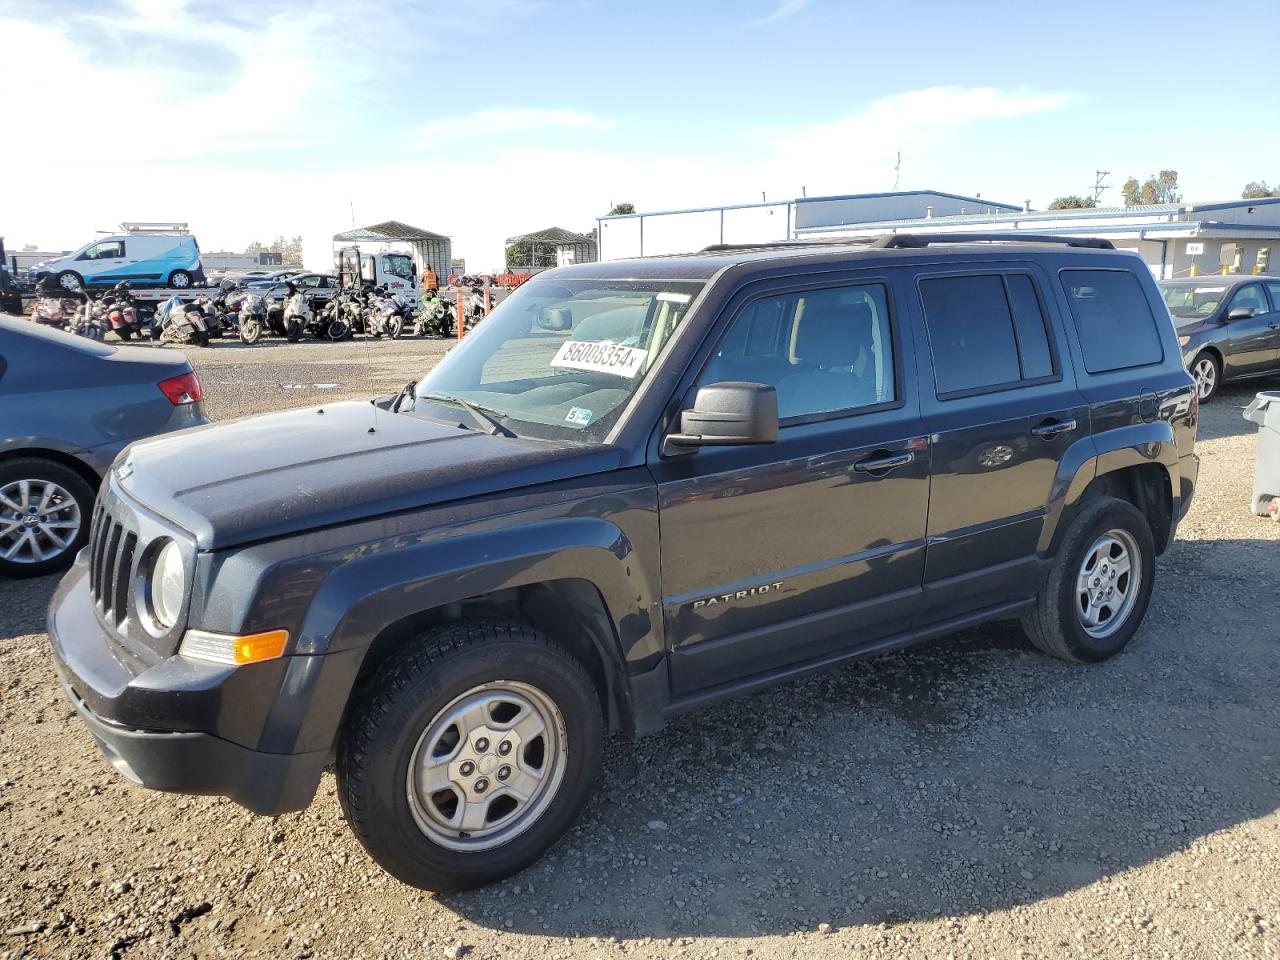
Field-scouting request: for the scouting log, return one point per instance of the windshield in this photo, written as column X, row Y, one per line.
column 559, row 359
column 1192, row 300
column 398, row 265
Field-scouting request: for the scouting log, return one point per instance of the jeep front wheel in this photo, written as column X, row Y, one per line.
column 468, row 755
column 1099, row 586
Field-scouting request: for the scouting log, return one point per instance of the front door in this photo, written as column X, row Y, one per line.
column 1002, row 414
column 1272, row 357
column 104, row 262
column 1251, row 345
column 778, row 554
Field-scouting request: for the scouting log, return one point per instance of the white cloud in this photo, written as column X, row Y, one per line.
column 498, row 120
column 783, row 10
column 248, row 167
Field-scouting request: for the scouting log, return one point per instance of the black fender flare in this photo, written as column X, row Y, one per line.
column 369, row 593
column 1099, row 454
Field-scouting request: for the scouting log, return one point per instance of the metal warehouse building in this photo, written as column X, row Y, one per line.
column 683, row 231
column 1175, row 239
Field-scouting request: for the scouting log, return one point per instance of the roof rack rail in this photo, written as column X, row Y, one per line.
column 901, row 240
column 772, row 244
column 891, row 241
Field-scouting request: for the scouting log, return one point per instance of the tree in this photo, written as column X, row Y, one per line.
column 622, row 208
column 528, row 254
column 1161, row 187
column 1073, row 202
column 1257, row 189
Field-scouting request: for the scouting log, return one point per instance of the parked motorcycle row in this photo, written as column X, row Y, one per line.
column 231, row 311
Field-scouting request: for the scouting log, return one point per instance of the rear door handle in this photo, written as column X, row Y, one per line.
column 1051, row 428
column 884, row 464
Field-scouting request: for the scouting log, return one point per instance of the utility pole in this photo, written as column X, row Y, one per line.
column 897, row 172
column 1100, row 184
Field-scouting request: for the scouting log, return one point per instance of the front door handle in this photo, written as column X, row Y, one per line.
column 1051, row 428
column 884, row 464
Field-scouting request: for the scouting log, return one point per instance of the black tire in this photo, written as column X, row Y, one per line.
column 1208, row 382
column 395, row 327
column 293, row 331
column 393, row 709
column 1055, row 626
column 40, row 469
column 337, row 330
column 180, row 280
column 70, row 280
column 250, row 331
column 124, row 333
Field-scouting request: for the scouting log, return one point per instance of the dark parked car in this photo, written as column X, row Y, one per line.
column 637, row 488
column 10, row 293
column 68, row 405
column 1228, row 327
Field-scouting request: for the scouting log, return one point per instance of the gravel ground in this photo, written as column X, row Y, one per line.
column 965, row 799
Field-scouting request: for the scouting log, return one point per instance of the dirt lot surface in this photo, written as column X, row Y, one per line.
column 968, row 799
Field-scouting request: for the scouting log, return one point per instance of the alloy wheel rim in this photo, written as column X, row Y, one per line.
column 39, row 520
column 1107, row 583
column 1206, row 375
column 179, row 281
column 69, row 283
column 487, row 766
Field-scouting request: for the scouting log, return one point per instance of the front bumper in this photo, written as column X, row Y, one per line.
column 181, row 725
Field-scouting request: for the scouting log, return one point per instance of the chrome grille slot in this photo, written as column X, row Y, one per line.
column 113, row 549
column 123, row 572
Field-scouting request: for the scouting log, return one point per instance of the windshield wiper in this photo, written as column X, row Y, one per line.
column 490, row 425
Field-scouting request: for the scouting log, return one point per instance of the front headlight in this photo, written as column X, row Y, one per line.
column 1183, row 341
column 168, row 586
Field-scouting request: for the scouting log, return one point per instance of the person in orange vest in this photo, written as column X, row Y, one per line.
column 430, row 284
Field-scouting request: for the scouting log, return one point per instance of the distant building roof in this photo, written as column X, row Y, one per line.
column 388, row 231
column 552, row 235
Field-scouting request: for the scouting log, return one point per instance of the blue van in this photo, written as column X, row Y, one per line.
column 160, row 259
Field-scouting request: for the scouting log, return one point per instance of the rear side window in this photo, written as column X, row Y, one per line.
column 1117, row 328
column 986, row 332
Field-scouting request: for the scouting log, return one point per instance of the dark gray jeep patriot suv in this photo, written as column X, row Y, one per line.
column 638, row 487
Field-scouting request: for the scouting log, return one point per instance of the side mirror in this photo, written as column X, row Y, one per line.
column 1241, row 313
column 555, row 318
column 728, row 414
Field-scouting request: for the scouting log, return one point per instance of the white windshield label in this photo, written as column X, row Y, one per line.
column 600, row 356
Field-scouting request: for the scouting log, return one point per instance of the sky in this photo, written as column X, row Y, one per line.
column 492, row 118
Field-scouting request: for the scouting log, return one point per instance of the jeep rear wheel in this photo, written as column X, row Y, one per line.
column 467, row 755
column 1099, row 585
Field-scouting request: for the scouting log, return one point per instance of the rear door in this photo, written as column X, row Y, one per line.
column 789, row 552
column 1002, row 407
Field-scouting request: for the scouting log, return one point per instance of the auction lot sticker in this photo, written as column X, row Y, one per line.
column 600, row 356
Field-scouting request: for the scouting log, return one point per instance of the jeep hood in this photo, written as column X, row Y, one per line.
column 284, row 473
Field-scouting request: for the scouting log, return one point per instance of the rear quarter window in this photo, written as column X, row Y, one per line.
column 1111, row 313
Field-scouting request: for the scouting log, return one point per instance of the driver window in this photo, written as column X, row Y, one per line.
column 1249, row 296
column 104, row 250
column 822, row 350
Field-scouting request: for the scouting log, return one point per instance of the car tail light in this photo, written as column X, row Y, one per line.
column 184, row 388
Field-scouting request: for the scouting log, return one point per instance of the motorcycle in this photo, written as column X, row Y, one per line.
column 250, row 311
column 298, row 315
column 385, row 313
column 122, row 312
column 89, row 320
column 340, row 316
column 181, row 323
column 433, row 319
column 474, row 310
column 55, row 312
